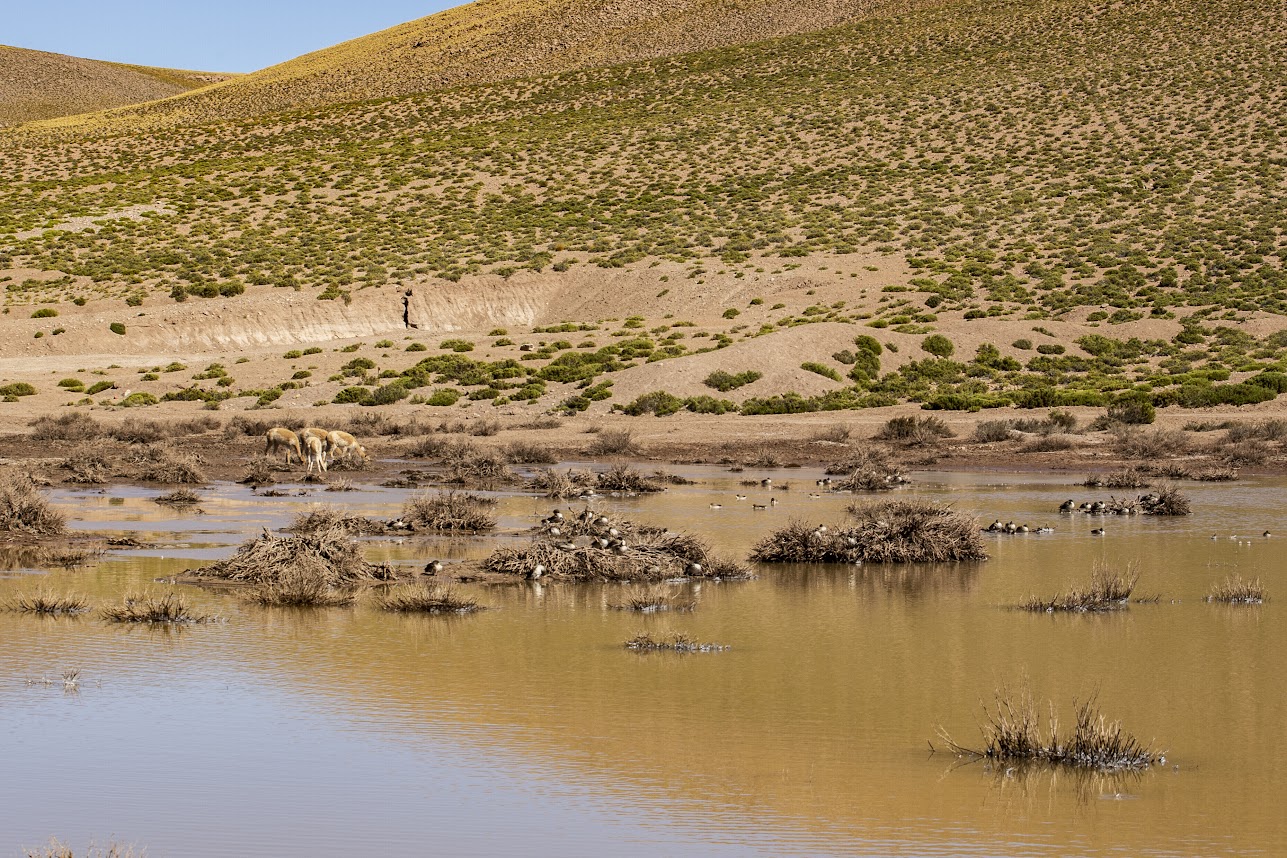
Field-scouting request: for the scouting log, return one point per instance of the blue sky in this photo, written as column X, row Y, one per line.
column 232, row 35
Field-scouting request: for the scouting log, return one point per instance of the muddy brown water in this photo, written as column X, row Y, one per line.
column 528, row 729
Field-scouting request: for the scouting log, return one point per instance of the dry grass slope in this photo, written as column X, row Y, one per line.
column 38, row 85
column 499, row 40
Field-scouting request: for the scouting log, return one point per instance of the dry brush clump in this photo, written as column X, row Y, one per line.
column 45, row 601
column 1235, row 590
column 1109, row 590
column 303, row 584
column 1135, row 443
column 529, row 453
column 911, row 531
column 623, row 478
column 868, row 470
column 1123, row 478
column 320, row 518
column 149, row 607
column 460, row 511
column 178, row 497
column 915, row 431
column 635, row 554
column 157, row 465
column 57, row 849
column 1166, row 500
column 613, row 442
column 23, row 509
column 650, row 599
column 331, row 556
column 672, row 642
column 88, row 467
column 72, row 426
column 424, row 597
column 475, row 467
column 1015, row 732
column 553, row 483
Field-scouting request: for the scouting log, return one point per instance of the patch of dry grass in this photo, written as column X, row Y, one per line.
column 652, row 599
column 1015, row 732
column 1235, row 590
column 460, row 511
column 623, row 478
column 178, row 497
column 913, row 531
column 425, row 597
column 1109, row 590
column 23, row 509
column 302, row 585
column 553, row 483
column 331, row 555
column 150, row 607
column 45, row 601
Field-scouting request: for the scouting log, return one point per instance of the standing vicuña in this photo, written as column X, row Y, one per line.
column 316, row 453
column 343, row 442
column 281, row 438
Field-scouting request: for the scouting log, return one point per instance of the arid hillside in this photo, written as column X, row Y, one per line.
column 39, row 85
column 496, row 40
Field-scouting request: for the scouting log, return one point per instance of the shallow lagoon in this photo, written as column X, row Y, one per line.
column 527, row 729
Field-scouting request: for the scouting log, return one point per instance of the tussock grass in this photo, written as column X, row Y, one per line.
column 449, row 511
column 424, row 597
column 1124, row 478
column 529, row 453
column 869, row 470
column 1235, row 590
column 23, row 509
column 158, row 465
column 651, row 599
column 88, row 467
column 1015, row 732
column 150, row 607
column 553, row 483
column 321, row 518
column 45, row 601
column 1166, row 500
column 72, row 426
column 1109, row 590
column 674, row 642
column 915, row 431
column 613, row 442
column 302, row 585
column 178, row 497
column 912, row 531
column 637, row 554
column 623, row 478
column 331, row 555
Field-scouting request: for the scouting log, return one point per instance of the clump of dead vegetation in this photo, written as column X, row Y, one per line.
column 303, row 584
column 258, row 473
column 590, row 547
column 88, row 467
column 651, row 599
column 157, row 465
column 623, row 478
column 72, row 426
column 529, row 453
column 46, row 602
column 1109, row 590
column 613, row 442
column 23, row 509
column 57, row 849
column 1124, row 478
column 178, row 497
column 331, row 555
column 912, row 531
column 1199, row 472
column 1166, row 500
column 459, row 511
column 915, row 431
column 1135, row 443
column 476, row 467
column 1015, row 732
column 1236, row 590
column 319, row 519
column 673, row 642
column 553, row 483
column 425, row 597
column 869, row 470
column 146, row 607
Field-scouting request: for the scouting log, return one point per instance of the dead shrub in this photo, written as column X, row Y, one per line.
column 915, row 431
column 1108, row 591
column 458, row 511
column 303, row 584
column 910, row 531
column 1264, row 430
column 990, row 431
column 178, row 497
column 613, row 442
column 89, row 468
column 1135, row 443
column 1047, row 444
column 23, row 509
column 1235, row 590
column 528, row 453
column 478, row 468
column 1249, row 451
column 252, row 427
column 148, row 607
column 623, row 478
column 134, row 430
column 553, row 483
column 72, row 426
column 836, row 433
column 425, row 597
column 1013, row 731
column 320, row 519
column 1125, row 478
column 46, row 602
column 1166, row 500
column 867, row 470
column 158, row 465
column 259, row 473
column 331, row 555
